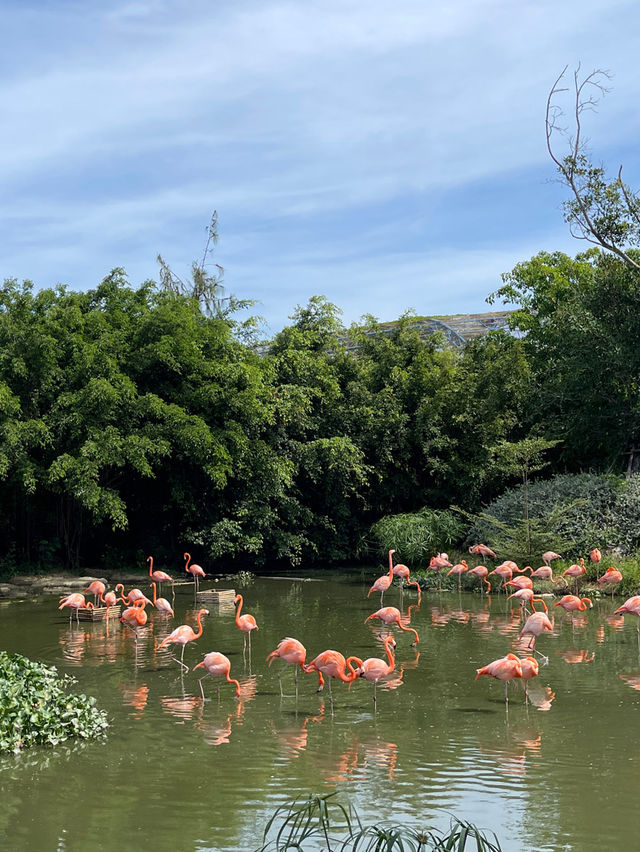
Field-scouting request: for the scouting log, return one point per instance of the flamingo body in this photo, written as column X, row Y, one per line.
column 391, row 615
column 217, row 665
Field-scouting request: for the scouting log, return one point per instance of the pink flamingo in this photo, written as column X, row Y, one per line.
column 402, row 571
column 135, row 617
column 184, row 634
column 110, row 599
column 610, row 577
column 374, row 668
column 195, row 570
column 132, row 596
column 534, row 626
column 161, row 604
column 545, row 572
column 74, row 601
column 632, row 607
column 481, row 571
column 526, row 596
column 575, row 571
column 97, row 589
column 160, row 577
column 246, row 623
column 217, row 665
column 504, row 669
column 571, row 603
column 505, row 572
column 530, row 670
column 382, row 583
column 294, row 654
column 482, row 550
column 332, row 665
column 595, row 555
column 549, row 556
column 391, row 615
column 521, row 582
column 458, row 570
column 438, row 563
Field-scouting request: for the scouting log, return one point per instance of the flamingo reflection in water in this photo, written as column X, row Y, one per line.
column 575, row 656
column 293, row 738
column 136, row 697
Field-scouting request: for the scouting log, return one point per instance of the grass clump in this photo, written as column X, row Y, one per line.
column 313, row 823
column 36, row 709
column 416, row 537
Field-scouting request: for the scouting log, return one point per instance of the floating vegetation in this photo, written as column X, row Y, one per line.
column 309, row 822
column 244, row 579
column 36, row 709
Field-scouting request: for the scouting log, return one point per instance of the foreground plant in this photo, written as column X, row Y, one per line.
column 36, row 709
column 309, row 822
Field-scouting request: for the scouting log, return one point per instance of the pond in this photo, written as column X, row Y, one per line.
column 175, row 773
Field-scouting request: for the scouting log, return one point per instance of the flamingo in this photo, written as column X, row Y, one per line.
column 459, row 570
column 193, row 569
column 595, row 555
column 504, row 669
column 521, row 582
column 631, row 606
column 504, row 571
column 294, row 654
column 575, row 571
column 374, row 668
column 482, row 550
column 135, row 617
column 481, row 571
column 74, row 601
column 437, row 563
column 534, row 626
column 571, row 603
column 549, row 556
column 526, row 596
column 161, row 577
column 332, row 665
column 545, row 572
column 132, row 596
column 97, row 589
column 610, row 577
column 382, row 583
column 183, row 634
column 403, row 572
column 530, row 670
column 217, row 665
column 161, row 604
column 391, row 615
column 110, row 599
column 246, row 623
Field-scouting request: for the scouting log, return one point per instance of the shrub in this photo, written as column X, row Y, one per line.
column 36, row 709
column 416, row 537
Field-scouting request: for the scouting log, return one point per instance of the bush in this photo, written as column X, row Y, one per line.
column 416, row 537
column 569, row 512
column 36, row 709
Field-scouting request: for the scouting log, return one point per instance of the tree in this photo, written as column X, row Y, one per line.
column 603, row 212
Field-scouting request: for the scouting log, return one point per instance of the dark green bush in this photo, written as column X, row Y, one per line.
column 569, row 511
column 35, row 707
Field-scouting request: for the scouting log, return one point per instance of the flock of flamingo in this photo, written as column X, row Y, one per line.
column 331, row 664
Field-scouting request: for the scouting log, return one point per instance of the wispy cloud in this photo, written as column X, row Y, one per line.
column 306, row 125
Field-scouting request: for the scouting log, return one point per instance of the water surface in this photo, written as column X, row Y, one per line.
column 175, row 773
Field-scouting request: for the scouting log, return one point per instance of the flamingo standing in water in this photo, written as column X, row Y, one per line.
column 184, row 634
column 161, row 577
column 526, row 596
column 294, row 654
column 459, row 570
column 438, row 563
column 333, row 665
column 505, row 572
column 534, row 626
column 504, row 669
column 135, row 617
column 521, row 582
column 97, row 588
column 530, row 670
column 246, row 623
column 402, row 571
column 571, row 603
column 161, row 604
column 195, row 570
column 481, row 571
column 374, row 668
column 631, row 606
column 131, row 597
column 217, row 665
column 391, row 615
column 382, row 583
column 74, row 601
column 611, row 577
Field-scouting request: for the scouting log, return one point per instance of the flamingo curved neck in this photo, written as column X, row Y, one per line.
column 240, row 600
column 187, row 556
column 150, row 561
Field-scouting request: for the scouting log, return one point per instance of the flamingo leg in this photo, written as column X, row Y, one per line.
column 200, row 685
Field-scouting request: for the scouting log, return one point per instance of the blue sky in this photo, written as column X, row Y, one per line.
column 387, row 155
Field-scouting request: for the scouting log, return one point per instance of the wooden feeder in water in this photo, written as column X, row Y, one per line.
column 222, row 599
column 99, row 613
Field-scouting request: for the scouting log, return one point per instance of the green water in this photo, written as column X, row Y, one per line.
column 177, row 774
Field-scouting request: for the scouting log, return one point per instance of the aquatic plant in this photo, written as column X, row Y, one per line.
column 36, row 709
column 310, row 822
